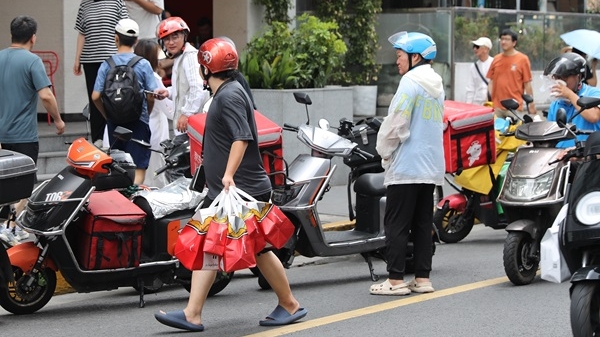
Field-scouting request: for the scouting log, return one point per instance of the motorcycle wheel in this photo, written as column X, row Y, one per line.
column 452, row 226
column 585, row 309
column 221, row 281
column 519, row 268
column 255, row 271
column 19, row 299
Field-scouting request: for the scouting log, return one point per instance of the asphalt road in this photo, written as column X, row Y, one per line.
column 472, row 298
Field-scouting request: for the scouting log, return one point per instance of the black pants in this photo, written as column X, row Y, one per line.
column 408, row 209
column 97, row 121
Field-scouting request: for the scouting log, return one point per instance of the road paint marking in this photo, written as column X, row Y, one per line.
column 412, row 299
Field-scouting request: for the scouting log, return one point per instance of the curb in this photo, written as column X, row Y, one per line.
column 62, row 287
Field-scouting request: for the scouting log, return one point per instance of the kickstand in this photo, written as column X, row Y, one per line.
column 367, row 257
column 141, row 286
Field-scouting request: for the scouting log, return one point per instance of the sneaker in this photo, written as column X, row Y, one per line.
column 20, row 234
column 420, row 287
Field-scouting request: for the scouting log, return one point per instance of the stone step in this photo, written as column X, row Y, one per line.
column 51, row 162
column 50, row 142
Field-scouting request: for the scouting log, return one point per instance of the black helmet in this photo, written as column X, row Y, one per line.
column 565, row 65
column 592, row 144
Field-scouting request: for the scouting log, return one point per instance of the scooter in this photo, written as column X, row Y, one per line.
column 307, row 180
column 532, row 194
column 57, row 212
column 579, row 237
column 477, row 189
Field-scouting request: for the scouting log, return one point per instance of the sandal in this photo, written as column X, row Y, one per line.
column 386, row 288
column 420, row 287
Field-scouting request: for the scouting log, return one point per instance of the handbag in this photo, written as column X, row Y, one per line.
column 272, row 223
column 553, row 264
column 189, row 248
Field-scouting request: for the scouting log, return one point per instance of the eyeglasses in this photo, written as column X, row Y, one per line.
column 475, row 46
column 173, row 37
column 508, row 38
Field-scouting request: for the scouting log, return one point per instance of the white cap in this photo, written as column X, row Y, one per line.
column 128, row 27
column 483, row 41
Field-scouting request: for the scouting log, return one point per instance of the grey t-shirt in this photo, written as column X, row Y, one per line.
column 231, row 119
column 22, row 75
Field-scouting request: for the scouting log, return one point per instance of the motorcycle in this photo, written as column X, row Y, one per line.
column 58, row 213
column 307, row 180
column 578, row 232
column 477, row 189
column 532, row 194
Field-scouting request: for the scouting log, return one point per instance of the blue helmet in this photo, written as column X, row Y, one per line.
column 414, row 43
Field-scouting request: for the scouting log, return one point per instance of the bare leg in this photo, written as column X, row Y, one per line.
column 274, row 273
column 202, row 280
column 140, row 175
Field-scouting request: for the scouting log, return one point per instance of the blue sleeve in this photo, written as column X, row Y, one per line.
column 39, row 76
column 101, row 77
column 552, row 111
column 149, row 82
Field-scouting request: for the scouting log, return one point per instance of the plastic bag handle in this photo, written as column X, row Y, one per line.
column 238, row 193
column 218, row 199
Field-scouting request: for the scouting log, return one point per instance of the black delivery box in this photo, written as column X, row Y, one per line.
column 17, row 176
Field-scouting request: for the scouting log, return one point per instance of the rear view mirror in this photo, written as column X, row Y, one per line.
column 198, row 180
column 588, row 102
column 510, row 104
column 561, row 117
column 527, row 98
column 122, row 133
column 303, row 98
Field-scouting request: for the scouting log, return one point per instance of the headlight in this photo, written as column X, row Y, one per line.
column 587, row 210
column 528, row 189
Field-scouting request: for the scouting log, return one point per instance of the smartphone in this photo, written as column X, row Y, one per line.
column 148, row 92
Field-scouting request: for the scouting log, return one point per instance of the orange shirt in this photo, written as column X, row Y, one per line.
column 509, row 75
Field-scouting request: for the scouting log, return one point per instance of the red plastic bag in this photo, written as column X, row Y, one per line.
column 189, row 248
column 276, row 228
column 239, row 250
column 217, row 234
column 249, row 217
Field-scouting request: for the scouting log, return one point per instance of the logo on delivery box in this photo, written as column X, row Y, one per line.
column 474, row 152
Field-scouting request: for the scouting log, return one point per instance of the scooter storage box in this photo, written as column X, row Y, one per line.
column 469, row 139
column 17, row 176
column 270, row 142
column 366, row 138
column 111, row 233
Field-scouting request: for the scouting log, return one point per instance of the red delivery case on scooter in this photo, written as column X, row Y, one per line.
column 469, row 138
column 111, row 232
column 270, row 141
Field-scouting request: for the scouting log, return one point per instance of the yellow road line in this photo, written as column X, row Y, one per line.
column 377, row 308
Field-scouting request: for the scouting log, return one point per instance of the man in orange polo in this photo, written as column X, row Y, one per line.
column 510, row 75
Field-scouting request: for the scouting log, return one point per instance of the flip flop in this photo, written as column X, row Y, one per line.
column 176, row 319
column 280, row 316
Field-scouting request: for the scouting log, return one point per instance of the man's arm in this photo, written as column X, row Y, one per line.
column 238, row 148
column 49, row 102
column 98, row 103
column 148, row 6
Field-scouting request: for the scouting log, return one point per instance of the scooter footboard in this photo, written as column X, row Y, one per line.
column 25, row 255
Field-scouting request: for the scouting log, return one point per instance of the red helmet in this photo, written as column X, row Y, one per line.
column 218, row 55
column 171, row 25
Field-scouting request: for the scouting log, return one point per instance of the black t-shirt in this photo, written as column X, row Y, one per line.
column 231, row 119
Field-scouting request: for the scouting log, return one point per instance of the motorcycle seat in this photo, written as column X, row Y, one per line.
column 370, row 184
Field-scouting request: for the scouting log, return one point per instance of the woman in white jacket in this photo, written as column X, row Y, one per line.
column 411, row 147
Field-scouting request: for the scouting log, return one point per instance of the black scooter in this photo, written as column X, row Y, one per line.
column 579, row 233
column 56, row 213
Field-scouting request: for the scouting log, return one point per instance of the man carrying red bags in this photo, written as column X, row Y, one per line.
column 231, row 158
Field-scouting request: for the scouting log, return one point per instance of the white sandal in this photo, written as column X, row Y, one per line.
column 386, row 288
column 420, row 287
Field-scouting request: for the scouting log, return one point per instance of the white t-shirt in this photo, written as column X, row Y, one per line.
column 146, row 20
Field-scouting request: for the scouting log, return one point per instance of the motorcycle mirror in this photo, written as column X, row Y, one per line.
column 324, row 124
column 510, row 104
column 561, row 117
column 303, row 98
column 198, row 180
column 527, row 98
column 122, row 133
column 585, row 103
column 527, row 119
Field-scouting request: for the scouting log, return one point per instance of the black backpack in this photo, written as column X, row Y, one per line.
column 123, row 99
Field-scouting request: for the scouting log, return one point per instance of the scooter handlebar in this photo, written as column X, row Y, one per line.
column 288, row 127
column 363, row 153
column 118, row 168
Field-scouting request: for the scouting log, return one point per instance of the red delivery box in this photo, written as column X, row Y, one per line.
column 270, row 142
column 469, row 138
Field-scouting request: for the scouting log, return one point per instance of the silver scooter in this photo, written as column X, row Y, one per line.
column 307, row 180
column 532, row 194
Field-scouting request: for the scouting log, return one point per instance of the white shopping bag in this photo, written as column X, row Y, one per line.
column 553, row 264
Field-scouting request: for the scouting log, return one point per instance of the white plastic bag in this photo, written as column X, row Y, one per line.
column 553, row 264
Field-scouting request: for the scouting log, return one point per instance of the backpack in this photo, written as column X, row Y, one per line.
column 123, row 99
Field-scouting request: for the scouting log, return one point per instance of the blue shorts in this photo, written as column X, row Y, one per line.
column 139, row 153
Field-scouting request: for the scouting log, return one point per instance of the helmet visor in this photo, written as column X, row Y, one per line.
column 398, row 40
